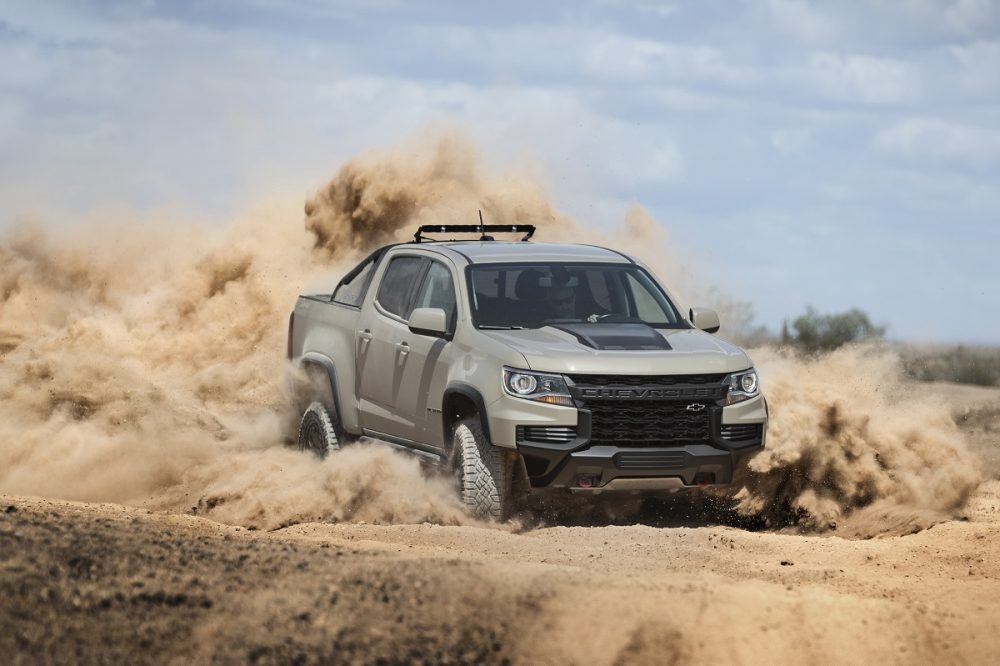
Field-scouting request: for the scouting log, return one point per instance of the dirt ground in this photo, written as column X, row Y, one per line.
column 86, row 583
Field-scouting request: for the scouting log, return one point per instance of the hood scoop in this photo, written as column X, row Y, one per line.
column 616, row 337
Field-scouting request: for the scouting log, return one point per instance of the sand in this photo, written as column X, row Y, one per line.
column 89, row 583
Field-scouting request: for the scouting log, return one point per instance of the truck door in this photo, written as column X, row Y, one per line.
column 423, row 377
column 380, row 354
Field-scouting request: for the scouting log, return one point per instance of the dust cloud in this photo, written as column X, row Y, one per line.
column 851, row 445
column 145, row 366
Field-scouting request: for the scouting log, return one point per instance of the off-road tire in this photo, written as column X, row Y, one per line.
column 319, row 430
column 483, row 472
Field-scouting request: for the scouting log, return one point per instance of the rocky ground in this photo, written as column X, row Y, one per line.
column 86, row 583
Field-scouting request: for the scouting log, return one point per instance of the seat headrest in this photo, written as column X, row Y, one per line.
column 527, row 286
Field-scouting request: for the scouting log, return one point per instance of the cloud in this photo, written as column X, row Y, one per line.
column 860, row 79
column 980, row 63
column 802, row 20
column 792, row 141
column 969, row 16
column 687, row 98
column 936, row 139
column 559, row 124
column 619, row 56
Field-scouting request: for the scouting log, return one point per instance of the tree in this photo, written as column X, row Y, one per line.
column 823, row 332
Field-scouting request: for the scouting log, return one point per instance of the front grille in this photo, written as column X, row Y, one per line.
column 546, row 434
column 643, row 423
column 588, row 381
column 650, row 460
column 743, row 432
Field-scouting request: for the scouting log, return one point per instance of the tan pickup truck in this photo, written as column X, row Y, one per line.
column 525, row 368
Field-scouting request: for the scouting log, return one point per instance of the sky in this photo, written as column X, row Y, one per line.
column 830, row 154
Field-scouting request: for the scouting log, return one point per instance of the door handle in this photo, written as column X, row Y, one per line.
column 403, row 348
column 365, row 335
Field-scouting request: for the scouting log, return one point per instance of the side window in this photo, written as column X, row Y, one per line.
column 438, row 291
column 648, row 306
column 396, row 284
column 353, row 292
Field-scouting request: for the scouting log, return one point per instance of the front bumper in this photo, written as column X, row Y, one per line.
column 600, row 468
column 585, row 466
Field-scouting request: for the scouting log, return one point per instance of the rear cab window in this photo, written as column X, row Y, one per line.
column 352, row 289
column 395, row 293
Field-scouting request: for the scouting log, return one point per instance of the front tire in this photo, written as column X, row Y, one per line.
column 483, row 471
column 319, row 430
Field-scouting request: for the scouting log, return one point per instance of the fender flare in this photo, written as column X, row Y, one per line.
column 472, row 393
column 315, row 358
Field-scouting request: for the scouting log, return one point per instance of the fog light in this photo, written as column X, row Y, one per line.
column 704, row 478
column 585, row 481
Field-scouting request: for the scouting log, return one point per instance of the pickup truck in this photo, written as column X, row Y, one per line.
column 525, row 368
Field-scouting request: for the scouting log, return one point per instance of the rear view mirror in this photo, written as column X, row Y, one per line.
column 547, row 281
column 705, row 319
column 429, row 321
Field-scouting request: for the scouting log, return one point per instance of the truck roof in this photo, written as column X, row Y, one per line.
column 482, row 252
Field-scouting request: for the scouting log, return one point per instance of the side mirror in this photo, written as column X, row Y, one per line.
column 705, row 319
column 429, row 321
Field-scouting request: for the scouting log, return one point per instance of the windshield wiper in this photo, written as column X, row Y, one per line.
column 501, row 328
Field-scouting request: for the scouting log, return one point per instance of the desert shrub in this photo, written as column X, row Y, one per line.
column 967, row 365
column 823, row 332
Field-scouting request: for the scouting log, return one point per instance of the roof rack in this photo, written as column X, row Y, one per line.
column 526, row 229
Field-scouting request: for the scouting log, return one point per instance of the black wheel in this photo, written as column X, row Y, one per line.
column 319, row 430
column 483, row 471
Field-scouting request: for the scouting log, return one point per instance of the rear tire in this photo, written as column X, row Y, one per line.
column 483, row 471
column 319, row 430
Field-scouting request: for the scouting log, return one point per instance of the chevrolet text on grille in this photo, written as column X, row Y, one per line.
column 634, row 393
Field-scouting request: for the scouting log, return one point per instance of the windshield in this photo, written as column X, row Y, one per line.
column 535, row 295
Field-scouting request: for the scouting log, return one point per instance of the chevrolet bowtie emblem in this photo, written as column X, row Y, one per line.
column 695, row 407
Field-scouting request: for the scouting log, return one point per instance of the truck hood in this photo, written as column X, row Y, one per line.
column 622, row 349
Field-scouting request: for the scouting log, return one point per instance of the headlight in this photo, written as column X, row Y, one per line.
column 536, row 386
column 742, row 386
